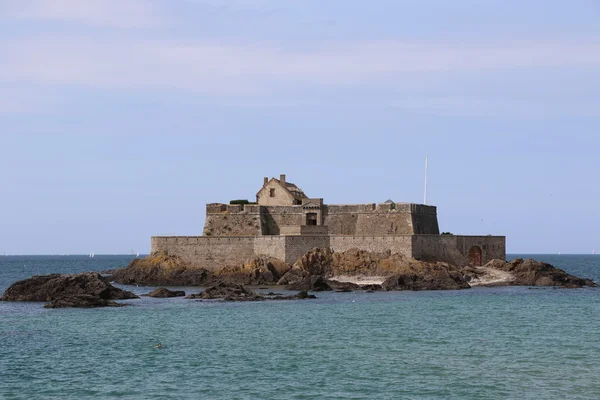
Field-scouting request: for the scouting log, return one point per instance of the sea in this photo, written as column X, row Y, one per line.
column 480, row 343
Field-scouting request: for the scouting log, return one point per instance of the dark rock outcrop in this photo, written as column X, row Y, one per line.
column 161, row 269
column 347, row 286
column 371, row 288
column 403, row 273
column 164, row 293
column 88, row 289
column 434, row 279
column 257, row 270
column 51, row 287
column 300, row 296
column 316, row 262
column 229, row 291
column 320, row 269
column 315, row 283
column 81, row 301
column 535, row 273
column 399, row 272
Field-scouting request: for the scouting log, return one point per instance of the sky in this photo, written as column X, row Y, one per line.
column 121, row 119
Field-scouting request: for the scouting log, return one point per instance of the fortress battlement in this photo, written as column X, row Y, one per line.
column 285, row 223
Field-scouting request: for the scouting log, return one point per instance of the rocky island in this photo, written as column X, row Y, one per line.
column 317, row 270
column 324, row 269
column 290, row 240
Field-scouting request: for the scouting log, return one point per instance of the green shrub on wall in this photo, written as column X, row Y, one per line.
column 241, row 201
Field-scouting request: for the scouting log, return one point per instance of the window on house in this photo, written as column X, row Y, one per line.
column 311, row 219
column 271, row 192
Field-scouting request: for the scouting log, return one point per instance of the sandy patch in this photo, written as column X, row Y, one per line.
column 360, row 280
column 491, row 277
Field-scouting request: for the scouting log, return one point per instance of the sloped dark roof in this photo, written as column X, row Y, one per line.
column 294, row 190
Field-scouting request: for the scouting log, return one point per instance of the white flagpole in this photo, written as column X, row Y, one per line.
column 426, row 165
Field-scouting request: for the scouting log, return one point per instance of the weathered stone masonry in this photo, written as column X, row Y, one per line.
column 215, row 252
column 285, row 224
column 356, row 219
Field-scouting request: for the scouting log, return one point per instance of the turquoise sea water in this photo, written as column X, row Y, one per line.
column 484, row 343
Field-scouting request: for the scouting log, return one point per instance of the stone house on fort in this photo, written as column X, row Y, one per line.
column 278, row 192
column 285, row 223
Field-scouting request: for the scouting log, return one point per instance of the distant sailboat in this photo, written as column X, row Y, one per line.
column 593, row 251
column 138, row 254
column 92, row 255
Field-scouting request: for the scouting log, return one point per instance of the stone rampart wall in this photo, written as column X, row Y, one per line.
column 352, row 219
column 232, row 220
column 211, row 253
column 381, row 219
column 273, row 218
column 378, row 244
column 273, row 246
column 492, row 246
column 424, row 219
column 454, row 249
column 216, row 252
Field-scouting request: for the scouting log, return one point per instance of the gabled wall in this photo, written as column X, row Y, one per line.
column 282, row 196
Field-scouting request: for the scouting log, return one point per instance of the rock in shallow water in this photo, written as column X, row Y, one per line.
column 319, row 268
column 315, row 283
column 168, row 270
column 536, row 273
column 257, row 270
column 65, row 287
column 161, row 269
column 437, row 277
column 165, row 293
column 81, row 301
column 229, row 291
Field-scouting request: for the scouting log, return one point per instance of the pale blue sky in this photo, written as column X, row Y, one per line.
column 120, row 119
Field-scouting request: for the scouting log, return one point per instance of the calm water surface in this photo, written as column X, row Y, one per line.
column 485, row 343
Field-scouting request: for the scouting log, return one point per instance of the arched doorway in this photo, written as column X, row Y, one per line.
column 475, row 256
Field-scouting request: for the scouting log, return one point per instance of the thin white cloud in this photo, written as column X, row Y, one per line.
column 110, row 13
column 258, row 74
column 213, row 67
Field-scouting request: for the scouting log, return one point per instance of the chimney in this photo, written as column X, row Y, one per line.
column 282, row 178
column 266, row 180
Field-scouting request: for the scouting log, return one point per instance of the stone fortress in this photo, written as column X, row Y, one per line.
column 285, row 223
